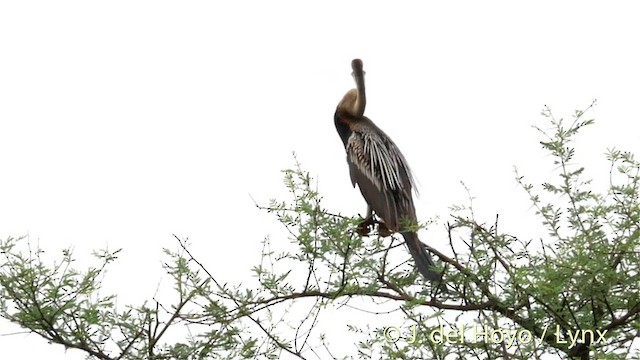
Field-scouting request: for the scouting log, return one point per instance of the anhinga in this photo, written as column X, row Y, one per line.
column 381, row 172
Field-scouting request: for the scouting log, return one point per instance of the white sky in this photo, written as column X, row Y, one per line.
column 124, row 122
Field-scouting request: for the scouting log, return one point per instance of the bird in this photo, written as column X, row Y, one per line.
column 381, row 172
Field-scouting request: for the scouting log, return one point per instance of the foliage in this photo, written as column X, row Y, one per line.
column 573, row 293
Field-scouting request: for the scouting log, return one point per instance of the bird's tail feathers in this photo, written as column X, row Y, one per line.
column 422, row 258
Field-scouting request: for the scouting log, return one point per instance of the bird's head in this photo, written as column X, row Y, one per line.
column 358, row 72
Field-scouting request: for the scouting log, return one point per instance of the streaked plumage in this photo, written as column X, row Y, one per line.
column 380, row 170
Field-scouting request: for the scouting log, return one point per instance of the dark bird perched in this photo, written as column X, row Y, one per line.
column 381, row 172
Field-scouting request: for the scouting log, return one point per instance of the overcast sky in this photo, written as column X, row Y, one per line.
column 124, row 122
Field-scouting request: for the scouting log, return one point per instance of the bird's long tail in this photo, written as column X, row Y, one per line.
column 422, row 258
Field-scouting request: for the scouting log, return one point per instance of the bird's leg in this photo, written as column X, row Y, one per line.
column 364, row 228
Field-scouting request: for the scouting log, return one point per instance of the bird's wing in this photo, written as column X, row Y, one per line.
column 381, row 202
column 379, row 169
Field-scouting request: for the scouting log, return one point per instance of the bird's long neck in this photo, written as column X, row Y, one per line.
column 361, row 99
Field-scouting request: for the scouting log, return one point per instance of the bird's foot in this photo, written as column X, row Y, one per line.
column 383, row 230
column 365, row 227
